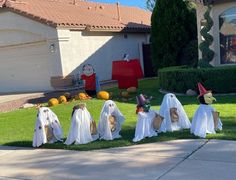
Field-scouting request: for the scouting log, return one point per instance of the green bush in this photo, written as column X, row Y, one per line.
column 180, row 78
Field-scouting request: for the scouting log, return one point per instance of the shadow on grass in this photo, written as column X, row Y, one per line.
column 126, row 140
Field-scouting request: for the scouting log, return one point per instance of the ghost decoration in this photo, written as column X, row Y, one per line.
column 110, row 122
column 47, row 127
column 206, row 119
column 146, row 125
column 175, row 117
column 83, row 127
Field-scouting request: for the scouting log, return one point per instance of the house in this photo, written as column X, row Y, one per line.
column 45, row 43
column 223, row 14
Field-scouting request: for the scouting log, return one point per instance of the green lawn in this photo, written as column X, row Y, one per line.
column 17, row 127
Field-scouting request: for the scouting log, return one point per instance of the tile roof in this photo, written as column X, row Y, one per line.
column 78, row 14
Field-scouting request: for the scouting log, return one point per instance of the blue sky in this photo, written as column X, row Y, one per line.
column 138, row 3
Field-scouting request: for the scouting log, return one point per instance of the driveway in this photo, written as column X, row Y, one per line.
column 179, row 160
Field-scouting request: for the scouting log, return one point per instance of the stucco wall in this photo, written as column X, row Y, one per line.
column 98, row 49
column 216, row 11
column 26, row 61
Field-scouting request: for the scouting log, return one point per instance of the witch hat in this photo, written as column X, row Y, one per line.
column 141, row 100
column 202, row 90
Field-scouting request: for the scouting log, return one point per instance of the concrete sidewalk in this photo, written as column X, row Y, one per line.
column 180, row 160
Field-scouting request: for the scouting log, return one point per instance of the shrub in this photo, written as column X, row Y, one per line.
column 180, row 79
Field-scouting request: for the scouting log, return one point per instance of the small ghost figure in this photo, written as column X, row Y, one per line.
column 47, row 128
column 206, row 119
column 145, row 126
column 92, row 85
column 110, row 121
column 83, row 127
column 175, row 117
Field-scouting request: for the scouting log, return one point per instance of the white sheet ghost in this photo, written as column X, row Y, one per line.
column 109, row 128
column 203, row 121
column 175, row 118
column 144, row 127
column 80, row 127
column 47, row 128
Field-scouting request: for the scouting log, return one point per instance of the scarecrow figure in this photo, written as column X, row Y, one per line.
column 92, row 85
column 83, row 127
column 175, row 118
column 205, row 120
column 144, row 127
column 47, row 128
column 110, row 121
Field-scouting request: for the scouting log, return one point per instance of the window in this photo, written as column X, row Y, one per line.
column 227, row 26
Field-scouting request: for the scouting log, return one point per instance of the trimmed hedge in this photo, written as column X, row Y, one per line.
column 181, row 78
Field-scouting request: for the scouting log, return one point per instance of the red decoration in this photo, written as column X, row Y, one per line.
column 127, row 73
column 90, row 81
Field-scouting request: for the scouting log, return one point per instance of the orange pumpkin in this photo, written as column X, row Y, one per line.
column 132, row 90
column 62, row 99
column 84, row 96
column 103, row 95
column 53, row 102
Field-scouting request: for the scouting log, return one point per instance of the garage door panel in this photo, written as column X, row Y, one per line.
column 25, row 69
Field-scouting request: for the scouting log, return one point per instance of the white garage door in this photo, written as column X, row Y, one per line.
column 25, row 68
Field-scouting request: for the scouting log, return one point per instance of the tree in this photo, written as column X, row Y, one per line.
column 207, row 53
column 151, row 4
column 173, row 27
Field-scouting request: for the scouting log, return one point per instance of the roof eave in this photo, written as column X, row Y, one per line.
column 32, row 17
column 118, row 29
